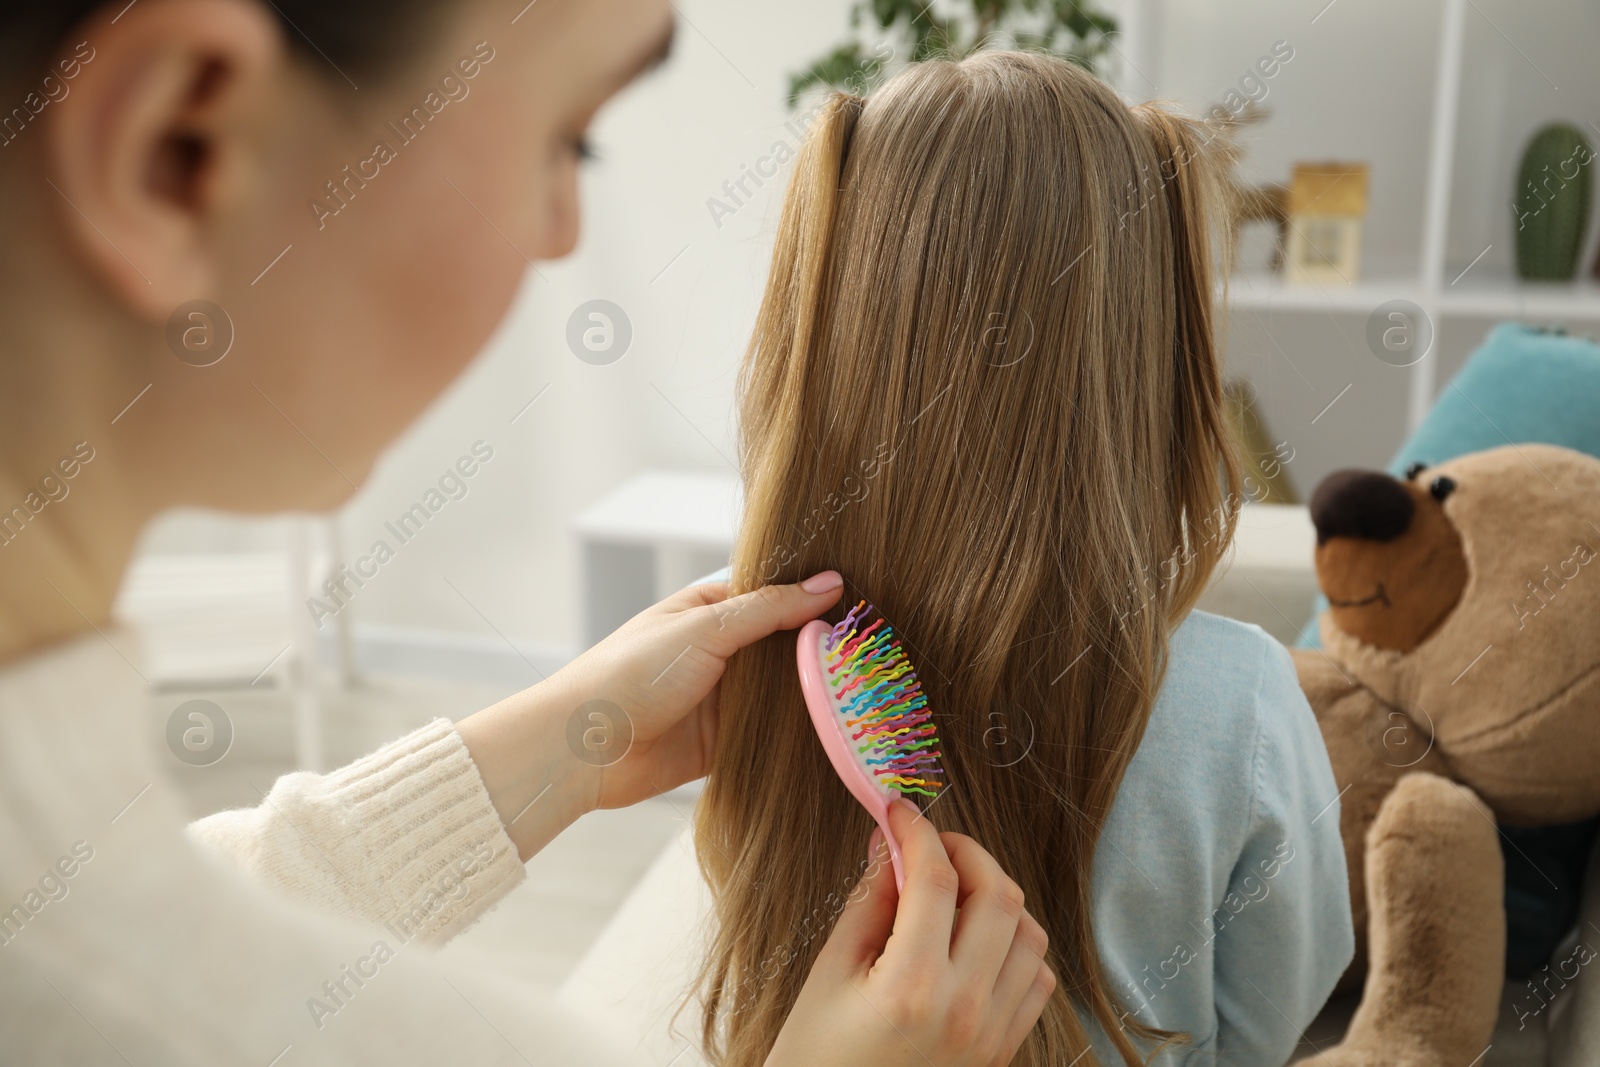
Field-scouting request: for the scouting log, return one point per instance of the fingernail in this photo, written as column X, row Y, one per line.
column 910, row 808
column 825, row 582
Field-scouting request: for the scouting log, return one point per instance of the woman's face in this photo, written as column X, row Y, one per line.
column 367, row 239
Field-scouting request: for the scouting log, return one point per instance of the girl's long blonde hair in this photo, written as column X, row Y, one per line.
column 984, row 385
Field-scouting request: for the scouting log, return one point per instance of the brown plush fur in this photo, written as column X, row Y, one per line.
column 1465, row 695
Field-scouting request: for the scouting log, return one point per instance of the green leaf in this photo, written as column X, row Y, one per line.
column 1073, row 29
column 846, row 68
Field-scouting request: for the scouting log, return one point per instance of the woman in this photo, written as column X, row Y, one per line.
column 292, row 165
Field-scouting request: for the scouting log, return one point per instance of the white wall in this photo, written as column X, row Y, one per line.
column 1359, row 87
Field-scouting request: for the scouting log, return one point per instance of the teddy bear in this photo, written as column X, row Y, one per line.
column 1458, row 693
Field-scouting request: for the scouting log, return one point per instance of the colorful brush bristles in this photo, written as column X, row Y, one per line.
column 881, row 704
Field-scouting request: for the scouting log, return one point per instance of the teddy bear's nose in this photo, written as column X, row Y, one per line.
column 1365, row 504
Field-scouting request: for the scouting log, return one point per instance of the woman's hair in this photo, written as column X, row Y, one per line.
column 984, row 385
column 363, row 37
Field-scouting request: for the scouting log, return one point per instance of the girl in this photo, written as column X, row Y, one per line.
column 985, row 385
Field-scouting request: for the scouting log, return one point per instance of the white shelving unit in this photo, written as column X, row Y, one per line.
column 1441, row 292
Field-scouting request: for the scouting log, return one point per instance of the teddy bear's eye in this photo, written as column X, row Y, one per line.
column 1441, row 488
column 1414, row 470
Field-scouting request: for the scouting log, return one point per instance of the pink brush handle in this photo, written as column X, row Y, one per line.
column 830, row 729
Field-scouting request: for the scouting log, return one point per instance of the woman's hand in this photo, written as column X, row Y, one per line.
column 951, row 973
column 634, row 716
column 662, row 667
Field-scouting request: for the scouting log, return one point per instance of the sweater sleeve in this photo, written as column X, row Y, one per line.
column 405, row 838
column 1284, row 934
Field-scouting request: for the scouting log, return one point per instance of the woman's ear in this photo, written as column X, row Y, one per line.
column 158, row 132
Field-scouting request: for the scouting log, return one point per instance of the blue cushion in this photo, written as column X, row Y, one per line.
column 1523, row 385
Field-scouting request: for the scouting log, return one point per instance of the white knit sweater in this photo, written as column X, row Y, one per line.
column 290, row 934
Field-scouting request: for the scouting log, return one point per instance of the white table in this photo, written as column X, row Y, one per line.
column 648, row 538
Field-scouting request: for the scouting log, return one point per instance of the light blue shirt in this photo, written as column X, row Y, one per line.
column 1221, row 899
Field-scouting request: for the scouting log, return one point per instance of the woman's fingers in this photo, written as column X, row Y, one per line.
column 991, row 907
column 696, row 596
column 868, row 917
column 862, row 1007
column 928, row 898
column 1021, row 967
column 1027, row 1015
column 738, row 621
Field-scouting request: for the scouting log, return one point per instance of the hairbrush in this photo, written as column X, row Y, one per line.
column 871, row 713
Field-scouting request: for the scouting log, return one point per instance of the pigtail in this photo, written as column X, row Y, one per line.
column 743, row 1000
column 1197, row 197
column 805, row 236
column 778, row 362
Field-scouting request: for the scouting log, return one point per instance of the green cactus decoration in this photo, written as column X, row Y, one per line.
column 1552, row 203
